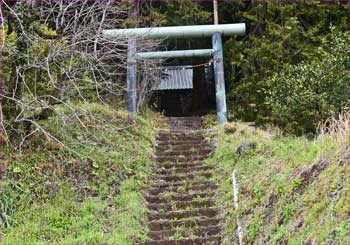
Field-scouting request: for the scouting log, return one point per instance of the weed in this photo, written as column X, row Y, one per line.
column 296, row 183
column 177, row 235
column 198, row 199
column 253, row 229
column 288, row 211
column 342, row 232
column 269, row 175
column 89, row 194
column 278, row 235
column 258, row 191
column 181, row 189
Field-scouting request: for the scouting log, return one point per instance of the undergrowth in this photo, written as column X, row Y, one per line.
column 292, row 190
column 85, row 190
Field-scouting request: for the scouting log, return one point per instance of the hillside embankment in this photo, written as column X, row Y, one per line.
column 289, row 189
column 260, row 186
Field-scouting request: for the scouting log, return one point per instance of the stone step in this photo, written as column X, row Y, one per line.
column 177, row 205
column 166, row 147
column 167, row 137
column 180, row 133
column 188, row 131
column 199, row 175
column 190, row 118
column 157, row 225
column 181, row 159
column 185, row 123
column 190, row 164
column 189, row 152
column 166, row 197
column 180, row 142
column 161, row 183
column 182, row 189
column 181, row 214
column 203, row 240
column 182, row 170
column 195, row 231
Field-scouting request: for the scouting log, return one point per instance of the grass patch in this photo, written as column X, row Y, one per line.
column 291, row 189
column 85, row 191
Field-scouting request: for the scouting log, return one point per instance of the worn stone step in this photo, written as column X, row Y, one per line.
column 171, row 147
column 189, row 123
column 195, row 231
column 187, row 148
column 199, row 175
column 181, row 170
column 170, row 136
column 180, row 133
column 205, row 240
column 188, row 152
column 156, row 225
column 188, row 131
column 162, row 183
column 189, row 164
column 181, row 158
column 180, row 142
column 182, row 189
column 177, row 205
column 186, row 118
column 181, row 214
column 178, row 197
column 189, row 118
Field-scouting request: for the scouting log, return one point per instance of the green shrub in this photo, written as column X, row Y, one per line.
column 302, row 95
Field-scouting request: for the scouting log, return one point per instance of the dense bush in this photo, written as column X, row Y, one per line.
column 302, row 95
column 278, row 35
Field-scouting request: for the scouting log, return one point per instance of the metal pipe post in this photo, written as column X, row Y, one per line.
column 131, row 76
column 219, row 79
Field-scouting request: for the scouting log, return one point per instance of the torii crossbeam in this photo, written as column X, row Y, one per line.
column 198, row 31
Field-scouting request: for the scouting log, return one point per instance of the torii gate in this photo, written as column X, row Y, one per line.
column 198, row 31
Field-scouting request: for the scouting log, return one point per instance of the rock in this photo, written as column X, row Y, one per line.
column 250, row 124
column 230, row 128
column 298, row 223
column 245, row 146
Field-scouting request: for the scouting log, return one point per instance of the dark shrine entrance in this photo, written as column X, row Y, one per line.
column 186, row 91
column 175, row 102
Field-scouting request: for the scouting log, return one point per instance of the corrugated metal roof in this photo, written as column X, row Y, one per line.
column 176, row 79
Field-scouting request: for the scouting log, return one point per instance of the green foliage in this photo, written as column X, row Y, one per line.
column 278, row 36
column 176, row 13
column 253, row 229
column 302, row 95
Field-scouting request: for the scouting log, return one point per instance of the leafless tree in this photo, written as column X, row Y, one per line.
column 59, row 57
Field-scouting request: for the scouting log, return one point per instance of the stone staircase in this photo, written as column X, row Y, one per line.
column 181, row 196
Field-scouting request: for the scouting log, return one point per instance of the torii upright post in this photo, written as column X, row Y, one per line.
column 131, row 76
column 219, row 79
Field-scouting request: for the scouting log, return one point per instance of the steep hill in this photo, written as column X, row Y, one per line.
column 87, row 191
column 289, row 189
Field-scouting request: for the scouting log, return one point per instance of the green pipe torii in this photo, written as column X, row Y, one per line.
column 199, row 31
